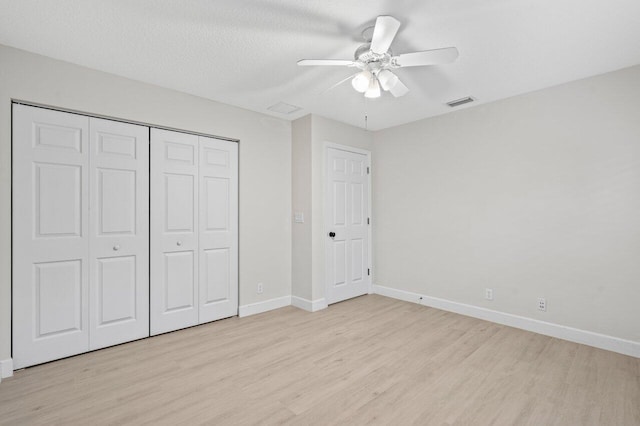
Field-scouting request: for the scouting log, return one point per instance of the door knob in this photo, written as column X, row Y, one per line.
column 332, row 234
column 179, row 243
column 116, row 247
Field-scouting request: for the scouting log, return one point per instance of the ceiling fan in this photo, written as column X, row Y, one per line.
column 375, row 61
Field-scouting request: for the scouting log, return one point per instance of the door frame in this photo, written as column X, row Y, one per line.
column 325, row 211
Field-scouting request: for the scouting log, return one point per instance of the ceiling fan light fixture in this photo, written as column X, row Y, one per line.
column 361, row 81
column 375, row 60
column 374, row 89
column 387, row 79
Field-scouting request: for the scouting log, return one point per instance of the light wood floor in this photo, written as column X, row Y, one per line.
column 370, row 360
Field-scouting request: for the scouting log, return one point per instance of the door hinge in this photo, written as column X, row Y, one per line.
column 368, row 221
column 368, row 171
column 368, row 271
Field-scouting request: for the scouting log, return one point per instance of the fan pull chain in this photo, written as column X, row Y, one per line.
column 366, row 116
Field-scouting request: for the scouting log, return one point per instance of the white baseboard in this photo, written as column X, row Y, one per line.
column 602, row 341
column 6, row 368
column 264, row 306
column 309, row 305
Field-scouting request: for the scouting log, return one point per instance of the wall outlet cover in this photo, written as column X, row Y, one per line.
column 542, row 304
column 488, row 293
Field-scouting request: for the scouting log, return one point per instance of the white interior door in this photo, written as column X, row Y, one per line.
column 119, row 232
column 174, row 231
column 50, row 235
column 218, row 246
column 346, row 225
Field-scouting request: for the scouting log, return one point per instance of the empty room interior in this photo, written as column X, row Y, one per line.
column 320, row 212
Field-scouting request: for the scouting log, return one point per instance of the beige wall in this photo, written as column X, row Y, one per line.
column 533, row 196
column 265, row 159
column 301, row 202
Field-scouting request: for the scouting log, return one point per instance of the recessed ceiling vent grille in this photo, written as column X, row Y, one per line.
column 459, row 102
column 283, row 108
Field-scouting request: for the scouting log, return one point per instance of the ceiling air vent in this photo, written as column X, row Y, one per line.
column 459, row 102
column 284, row 108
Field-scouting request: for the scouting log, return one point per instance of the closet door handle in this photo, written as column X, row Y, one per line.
column 116, row 247
column 179, row 243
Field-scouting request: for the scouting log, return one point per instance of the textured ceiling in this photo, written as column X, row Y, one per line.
column 244, row 52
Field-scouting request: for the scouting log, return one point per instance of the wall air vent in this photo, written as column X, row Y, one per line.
column 283, row 108
column 459, row 102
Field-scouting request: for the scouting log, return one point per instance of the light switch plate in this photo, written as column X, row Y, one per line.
column 298, row 217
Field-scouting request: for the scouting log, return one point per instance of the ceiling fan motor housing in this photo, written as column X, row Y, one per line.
column 370, row 60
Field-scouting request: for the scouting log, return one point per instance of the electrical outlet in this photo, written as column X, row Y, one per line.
column 260, row 288
column 488, row 293
column 542, row 304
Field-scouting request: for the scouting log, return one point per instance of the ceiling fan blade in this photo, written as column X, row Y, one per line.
column 329, row 62
column 399, row 89
column 384, row 33
column 427, row 57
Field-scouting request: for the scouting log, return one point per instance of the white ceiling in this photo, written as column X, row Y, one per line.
column 244, row 52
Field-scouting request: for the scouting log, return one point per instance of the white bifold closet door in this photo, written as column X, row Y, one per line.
column 50, row 235
column 194, row 230
column 80, row 234
column 174, row 231
column 119, row 232
column 218, row 243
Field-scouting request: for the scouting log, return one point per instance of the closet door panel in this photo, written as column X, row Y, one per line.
column 119, row 245
column 174, row 231
column 179, row 267
column 50, row 235
column 218, row 229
